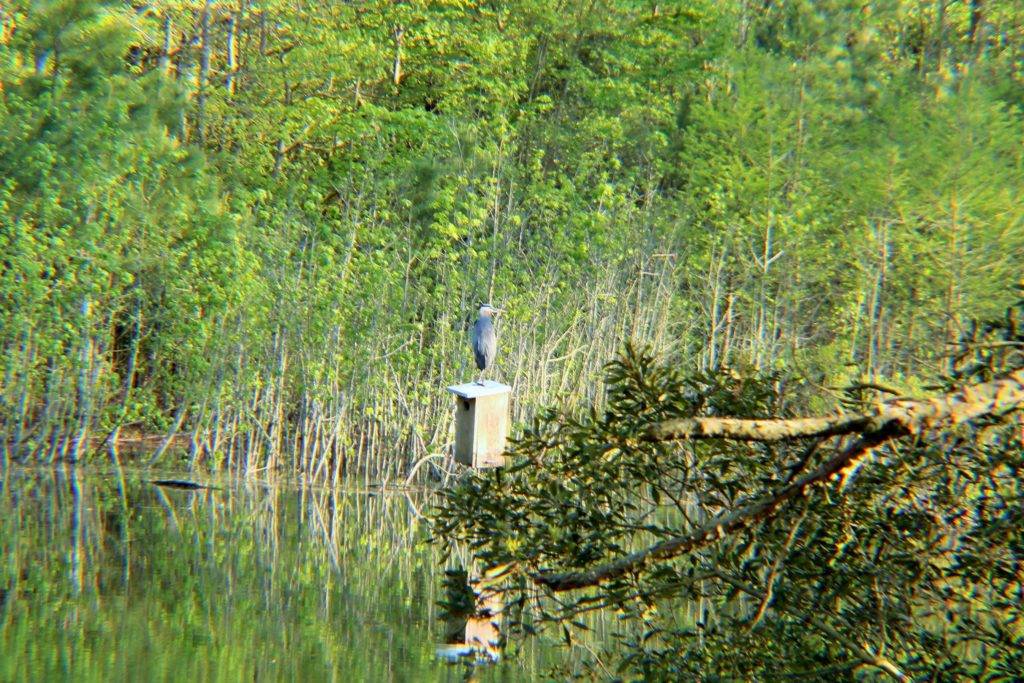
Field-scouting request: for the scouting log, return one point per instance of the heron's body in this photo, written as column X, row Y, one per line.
column 485, row 344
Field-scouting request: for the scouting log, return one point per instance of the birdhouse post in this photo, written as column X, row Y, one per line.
column 481, row 423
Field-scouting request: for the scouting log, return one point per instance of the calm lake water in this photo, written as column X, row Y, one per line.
column 251, row 582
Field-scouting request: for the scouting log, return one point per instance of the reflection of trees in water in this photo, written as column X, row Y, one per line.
column 329, row 527
column 321, row 578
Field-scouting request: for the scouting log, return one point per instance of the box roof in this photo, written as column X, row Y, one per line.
column 474, row 390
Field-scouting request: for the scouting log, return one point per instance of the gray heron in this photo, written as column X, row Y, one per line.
column 485, row 345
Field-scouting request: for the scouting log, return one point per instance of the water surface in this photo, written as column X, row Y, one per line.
column 254, row 582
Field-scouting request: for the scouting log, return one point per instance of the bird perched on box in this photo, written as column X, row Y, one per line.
column 485, row 345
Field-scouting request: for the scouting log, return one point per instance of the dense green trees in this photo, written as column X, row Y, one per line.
column 263, row 226
column 117, row 252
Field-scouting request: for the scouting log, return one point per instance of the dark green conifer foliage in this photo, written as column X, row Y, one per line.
column 907, row 564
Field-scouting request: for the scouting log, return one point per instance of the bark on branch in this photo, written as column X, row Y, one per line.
column 915, row 414
column 756, row 430
column 896, row 418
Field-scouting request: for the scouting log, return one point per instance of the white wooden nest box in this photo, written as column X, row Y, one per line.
column 481, row 423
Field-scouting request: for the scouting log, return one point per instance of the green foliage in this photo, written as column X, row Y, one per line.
column 913, row 558
column 107, row 220
column 286, row 214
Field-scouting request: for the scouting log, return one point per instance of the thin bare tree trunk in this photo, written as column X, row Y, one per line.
column 83, row 409
column 179, row 417
column 232, row 56
column 396, row 71
column 263, row 34
column 21, row 414
column 940, row 33
column 204, row 70
column 182, row 69
column 165, row 51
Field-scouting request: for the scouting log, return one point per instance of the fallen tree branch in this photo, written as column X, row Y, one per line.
column 896, row 418
column 957, row 406
column 755, row 430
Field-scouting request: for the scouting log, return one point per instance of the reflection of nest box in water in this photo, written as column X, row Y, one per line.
column 481, row 423
column 472, row 619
